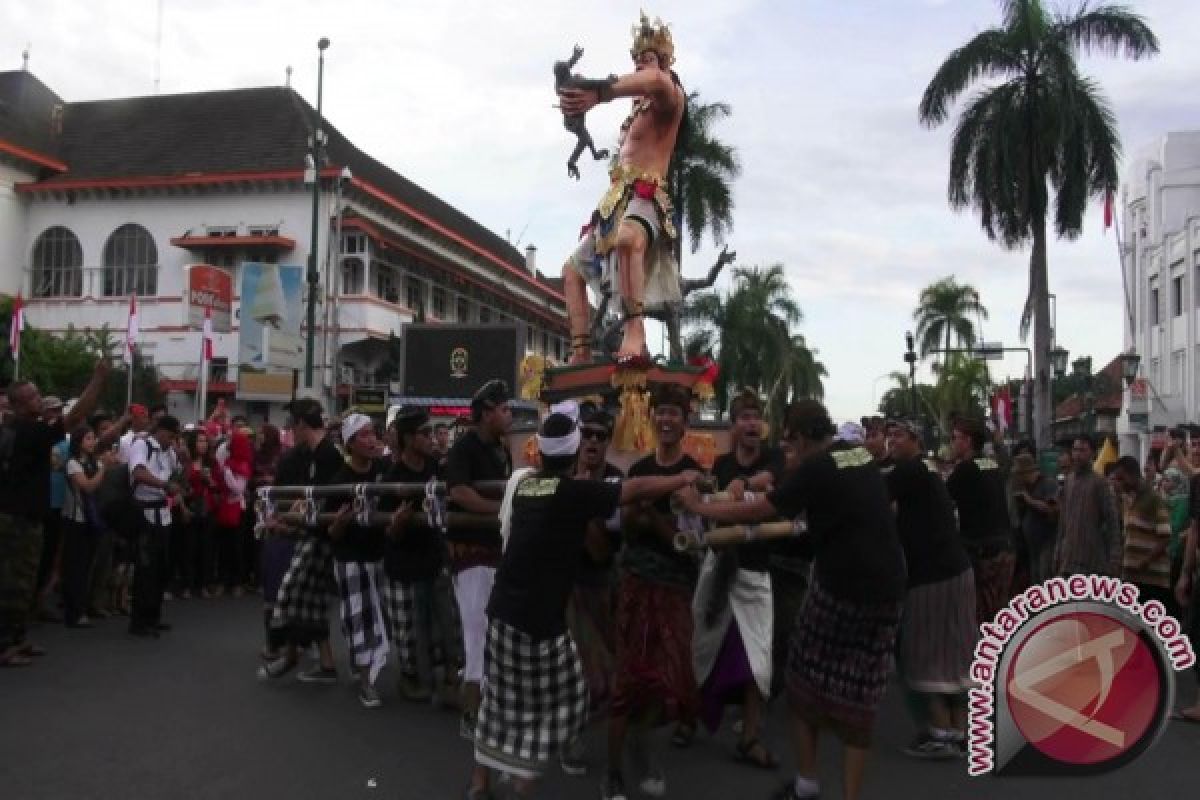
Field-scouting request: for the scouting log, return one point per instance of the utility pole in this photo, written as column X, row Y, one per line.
column 313, row 276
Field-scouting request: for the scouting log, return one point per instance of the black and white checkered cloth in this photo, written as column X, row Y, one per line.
column 399, row 603
column 364, row 615
column 302, row 604
column 535, row 701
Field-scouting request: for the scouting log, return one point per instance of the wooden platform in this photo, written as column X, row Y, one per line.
column 562, row 383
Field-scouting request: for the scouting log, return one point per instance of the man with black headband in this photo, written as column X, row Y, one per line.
column 301, row 613
column 480, row 454
column 654, row 679
column 733, row 608
column 534, row 693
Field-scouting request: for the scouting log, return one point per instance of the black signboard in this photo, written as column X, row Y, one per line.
column 370, row 401
column 455, row 360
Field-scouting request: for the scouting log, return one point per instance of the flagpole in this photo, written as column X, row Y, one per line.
column 202, row 414
column 130, row 346
column 1110, row 203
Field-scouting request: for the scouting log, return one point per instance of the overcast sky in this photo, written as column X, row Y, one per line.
column 841, row 185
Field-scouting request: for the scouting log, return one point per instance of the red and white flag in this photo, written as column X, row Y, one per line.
column 1109, row 209
column 131, row 330
column 16, row 326
column 1002, row 408
column 207, row 349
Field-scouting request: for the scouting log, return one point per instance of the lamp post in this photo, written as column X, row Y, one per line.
column 1082, row 369
column 910, row 356
column 313, row 276
column 1129, row 367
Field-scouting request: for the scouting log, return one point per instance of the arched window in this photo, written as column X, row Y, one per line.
column 57, row 264
column 130, row 262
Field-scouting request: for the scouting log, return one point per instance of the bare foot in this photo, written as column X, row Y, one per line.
column 580, row 357
column 633, row 341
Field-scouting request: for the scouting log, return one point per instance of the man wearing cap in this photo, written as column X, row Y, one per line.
column 139, row 423
column 26, row 439
column 534, row 692
column 733, row 610
column 938, row 629
column 153, row 469
column 654, row 682
column 1037, row 508
column 358, row 561
column 412, row 560
column 479, row 454
column 300, row 617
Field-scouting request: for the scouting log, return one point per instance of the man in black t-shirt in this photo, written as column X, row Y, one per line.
column 358, row 561
column 590, row 612
column 733, row 607
column 938, row 631
column 480, row 454
column 300, row 613
column 27, row 442
column 844, row 638
column 534, row 693
column 977, row 487
column 654, row 679
column 412, row 561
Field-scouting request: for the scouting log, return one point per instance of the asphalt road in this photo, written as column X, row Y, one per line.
column 106, row 715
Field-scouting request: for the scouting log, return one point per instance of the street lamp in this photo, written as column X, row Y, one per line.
column 1082, row 369
column 910, row 356
column 313, row 276
column 1058, row 362
column 1129, row 366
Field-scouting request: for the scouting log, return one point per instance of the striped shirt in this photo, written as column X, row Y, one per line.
column 1147, row 527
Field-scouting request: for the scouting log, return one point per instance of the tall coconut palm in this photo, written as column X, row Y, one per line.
column 701, row 171
column 1037, row 124
column 947, row 309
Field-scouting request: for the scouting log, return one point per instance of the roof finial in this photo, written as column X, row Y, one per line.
column 25, row 58
column 287, row 82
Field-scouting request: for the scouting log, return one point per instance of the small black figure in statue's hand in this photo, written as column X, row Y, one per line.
column 563, row 79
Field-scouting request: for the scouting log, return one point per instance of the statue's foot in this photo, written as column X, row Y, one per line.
column 640, row 360
column 578, row 357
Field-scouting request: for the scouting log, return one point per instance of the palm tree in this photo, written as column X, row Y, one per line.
column 798, row 374
column 751, row 327
column 701, row 170
column 1037, row 124
column 945, row 309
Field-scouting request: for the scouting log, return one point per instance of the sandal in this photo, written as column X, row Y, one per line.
column 756, row 754
column 683, row 735
column 1180, row 716
column 15, row 658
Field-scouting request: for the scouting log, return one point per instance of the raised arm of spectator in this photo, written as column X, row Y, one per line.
column 89, row 399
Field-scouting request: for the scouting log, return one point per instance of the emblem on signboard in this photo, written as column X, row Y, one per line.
column 458, row 362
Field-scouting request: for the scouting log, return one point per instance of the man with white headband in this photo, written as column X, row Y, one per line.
column 358, row 562
column 534, row 696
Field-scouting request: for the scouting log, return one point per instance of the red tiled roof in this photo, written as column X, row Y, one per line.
column 1110, row 402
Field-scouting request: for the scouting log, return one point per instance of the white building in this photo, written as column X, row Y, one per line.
column 105, row 199
column 1160, row 212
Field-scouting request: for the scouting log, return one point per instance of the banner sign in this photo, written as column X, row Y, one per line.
column 270, row 345
column 210, row 288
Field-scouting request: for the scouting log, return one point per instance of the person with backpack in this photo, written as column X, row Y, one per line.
column 25, row 445
column 81, row 525
column 153, row 468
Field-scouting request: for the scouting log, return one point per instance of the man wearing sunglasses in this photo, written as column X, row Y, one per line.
column 413, row 558
column 590, row 610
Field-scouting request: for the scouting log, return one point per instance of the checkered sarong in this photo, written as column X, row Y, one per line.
column 400, row 604
column 364, row 616
column 535, row 701
column 302, row 604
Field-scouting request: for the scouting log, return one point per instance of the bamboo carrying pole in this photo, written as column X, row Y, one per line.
column 420, row 519
column 490, row 488
column 738, row 534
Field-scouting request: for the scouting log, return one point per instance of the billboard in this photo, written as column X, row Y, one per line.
column 455, row 360
column 209, row 288
column 270, row 346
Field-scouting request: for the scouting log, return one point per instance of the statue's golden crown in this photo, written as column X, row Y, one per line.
column 656, row 37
